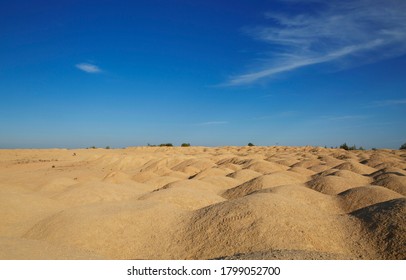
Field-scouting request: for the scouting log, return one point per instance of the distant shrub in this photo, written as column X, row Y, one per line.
column 403, row 147
column 185, row 145
column 108, row 147
column 352, row 148
column 250, row 144
column 166, row 145
column 374, row 149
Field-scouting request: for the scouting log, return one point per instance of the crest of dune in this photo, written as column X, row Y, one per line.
column 356, row 167
column 392, row 181
column 265, row 181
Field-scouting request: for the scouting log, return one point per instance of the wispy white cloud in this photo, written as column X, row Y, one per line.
column 345, row 117
column 388, row 102
column 354, row 31
column 214, row 123
column 88, row 68
column 278, row 115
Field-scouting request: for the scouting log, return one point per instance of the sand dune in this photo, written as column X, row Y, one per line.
column 202, row 203
column 385, row 225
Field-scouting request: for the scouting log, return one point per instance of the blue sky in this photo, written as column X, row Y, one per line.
column 126, row 73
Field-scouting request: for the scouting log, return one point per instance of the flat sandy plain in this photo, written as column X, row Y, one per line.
column 203, row 203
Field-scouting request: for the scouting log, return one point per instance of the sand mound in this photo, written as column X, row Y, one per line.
column 393, row 182
column 136, row 230
column 19, row 211
column 223, row 183
column 117, row 162
column 300, row 177
column 307, row 163
column 319, row 168
column 144, row 176
column 211, row 172
column 354, row 177
column 378, row 159
column 344, row 155
column 287, row 162
column 265, row 181
column 94, row 192
column 325, row 173
column 195, row 185
column 330, row 160
column 244, row 175
column 384, row 226
column 159, row 165
column 230, row 166
column 391, row 164
column 159, row 182
column 331, row 184
column 356, row 167
column 117, row 177
column 197, row 165
column 177, row 174
column 302, row 171
column 388, row 170
column 184, row 197
column 357, row 198
column 299, row 193
column 258, row 222
column 265, row 167
column 235, row 161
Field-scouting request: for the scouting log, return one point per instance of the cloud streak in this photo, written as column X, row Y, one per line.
column 347, row 31
column 389, row 102
column 88, row 68
column 346, row 118
column 214, row 123
column 279, row 115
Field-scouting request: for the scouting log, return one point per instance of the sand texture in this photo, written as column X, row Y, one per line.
column 203, row 203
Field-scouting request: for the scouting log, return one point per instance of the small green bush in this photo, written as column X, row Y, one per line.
column 185, row 145
column 250, row 144
column 166, row 145
column 352, row 148
column 403, row 147
column 108, row 147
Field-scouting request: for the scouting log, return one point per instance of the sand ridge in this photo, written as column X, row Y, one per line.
column 202, row 203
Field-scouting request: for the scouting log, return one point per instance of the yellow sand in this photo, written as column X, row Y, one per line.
column 202, row 203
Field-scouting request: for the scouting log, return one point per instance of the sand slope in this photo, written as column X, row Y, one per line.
column 202, row 203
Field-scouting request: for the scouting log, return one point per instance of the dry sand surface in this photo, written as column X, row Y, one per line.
column 203, row 203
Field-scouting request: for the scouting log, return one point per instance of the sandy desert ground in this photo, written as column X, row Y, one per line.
column 203, row 203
